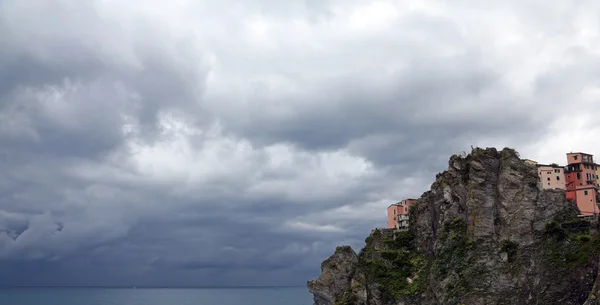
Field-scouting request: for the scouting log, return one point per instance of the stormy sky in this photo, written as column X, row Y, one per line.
column 237, row 142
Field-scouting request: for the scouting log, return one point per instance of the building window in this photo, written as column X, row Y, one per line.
column 548, row 178
column 557, row 177
column 578, row 176
column 585, row 193
column 574, row 157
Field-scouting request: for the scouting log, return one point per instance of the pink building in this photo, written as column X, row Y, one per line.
column 551, row 176
column 397, row 214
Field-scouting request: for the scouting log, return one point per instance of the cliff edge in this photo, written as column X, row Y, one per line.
column 484, row 234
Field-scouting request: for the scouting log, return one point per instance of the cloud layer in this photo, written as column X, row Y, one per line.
column 237, row 142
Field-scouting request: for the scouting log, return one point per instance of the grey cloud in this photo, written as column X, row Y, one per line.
column 432, row 95
column 184, row 149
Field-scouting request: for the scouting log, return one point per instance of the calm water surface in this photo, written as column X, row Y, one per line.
column 153, row 296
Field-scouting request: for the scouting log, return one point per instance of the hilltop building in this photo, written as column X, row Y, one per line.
column 581, row 182
column 551, row 176
column 580, row 179
column 397, row 214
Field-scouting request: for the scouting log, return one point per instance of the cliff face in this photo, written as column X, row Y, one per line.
column 484, row 234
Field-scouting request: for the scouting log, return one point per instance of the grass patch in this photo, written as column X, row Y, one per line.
column 569, row 245
column 391, row 267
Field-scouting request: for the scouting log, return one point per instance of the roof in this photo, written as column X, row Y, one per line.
column 400, row 202
column 575, row 153
column 550, row 165
column 397, row 203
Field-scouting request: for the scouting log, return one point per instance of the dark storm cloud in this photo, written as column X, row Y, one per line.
column 220, row 144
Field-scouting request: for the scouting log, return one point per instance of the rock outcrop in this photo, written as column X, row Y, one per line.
column 484, row 234
column 337, row 274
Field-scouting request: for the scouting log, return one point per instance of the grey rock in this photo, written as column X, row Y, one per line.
column 485, row 233
column 336, row 276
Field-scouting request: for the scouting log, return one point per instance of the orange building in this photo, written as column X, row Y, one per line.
column 581, row 182
column 397, row 214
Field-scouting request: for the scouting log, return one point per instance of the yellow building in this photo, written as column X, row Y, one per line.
column 530, row 162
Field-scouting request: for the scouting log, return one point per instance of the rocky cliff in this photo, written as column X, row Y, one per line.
column 484, row 234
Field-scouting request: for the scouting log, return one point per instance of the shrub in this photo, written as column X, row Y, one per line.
column 554, row 230
column 583, row 238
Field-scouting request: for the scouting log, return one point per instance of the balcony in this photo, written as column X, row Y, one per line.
column 402, row 222
column 572, row 168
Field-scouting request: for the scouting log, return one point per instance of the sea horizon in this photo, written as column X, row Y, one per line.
column 146, row 295
column 157, row 287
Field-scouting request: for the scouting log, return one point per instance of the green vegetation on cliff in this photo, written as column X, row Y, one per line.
column 392, row 262
column 389, row 261
column 569, row 244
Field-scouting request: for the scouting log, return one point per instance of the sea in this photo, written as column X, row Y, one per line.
column 155, row 296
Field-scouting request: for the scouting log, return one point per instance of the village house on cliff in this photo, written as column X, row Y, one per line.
column 579, row 178
column 397, row 214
